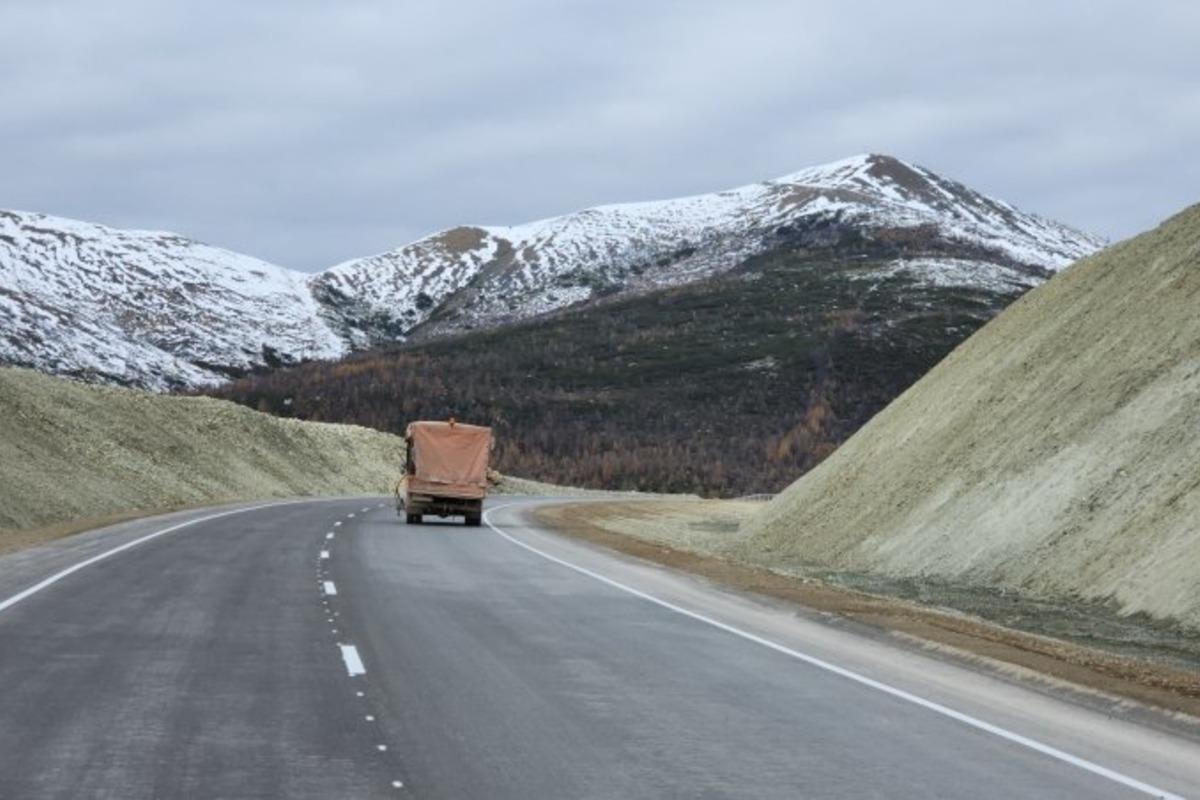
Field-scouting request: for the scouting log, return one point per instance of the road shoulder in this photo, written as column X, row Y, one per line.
column 1089, row 673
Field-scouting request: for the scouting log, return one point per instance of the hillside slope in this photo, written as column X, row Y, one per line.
column 72, row 450
column 482, row 276
column 162, row 312
column 728, row 386
column 145, row 308
column 1053, row 453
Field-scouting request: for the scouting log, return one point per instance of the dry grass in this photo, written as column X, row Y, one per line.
column 78, row 455
column 1053, row 454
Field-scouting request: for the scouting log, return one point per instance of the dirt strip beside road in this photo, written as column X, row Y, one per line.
column 1008, row 651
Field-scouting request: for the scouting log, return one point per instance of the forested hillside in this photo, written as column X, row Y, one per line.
column 725, row 387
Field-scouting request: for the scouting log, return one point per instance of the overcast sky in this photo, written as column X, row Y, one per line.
column 307, row 133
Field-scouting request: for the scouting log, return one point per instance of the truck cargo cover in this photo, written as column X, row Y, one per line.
column 449, row 459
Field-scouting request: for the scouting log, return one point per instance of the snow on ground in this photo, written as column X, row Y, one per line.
column 157, row 310
column 954, row 272
column 635, row 246
column 148, row 308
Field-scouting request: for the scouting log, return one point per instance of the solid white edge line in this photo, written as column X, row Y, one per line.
column 938, row 708
column 330, row 589
column 354, row 664
column 58, row 576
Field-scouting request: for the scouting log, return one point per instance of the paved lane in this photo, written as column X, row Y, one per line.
column 216, row 661
column 199, row 664
column 513, row 676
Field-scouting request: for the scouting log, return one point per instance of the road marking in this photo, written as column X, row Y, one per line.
column 369, row 718
column 324, row 554
column 938, row 708
column 336, row 524
column 397, row 785
column 381, row 748
column 329, row 535
column 354, row 664
column 58, row 576
column 351, row 514
column 330, row 589
column 365, row 510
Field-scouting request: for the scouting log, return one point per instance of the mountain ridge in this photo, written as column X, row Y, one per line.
column 157, row 310
column 652, row 244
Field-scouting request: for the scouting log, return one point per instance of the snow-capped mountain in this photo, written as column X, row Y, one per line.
column 145, row 308
column 160, row 311
column 481, row 276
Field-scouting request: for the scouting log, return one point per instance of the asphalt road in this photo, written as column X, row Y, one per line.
column 325, row 649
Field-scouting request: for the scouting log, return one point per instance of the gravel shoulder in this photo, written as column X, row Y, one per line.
column 1082, row 647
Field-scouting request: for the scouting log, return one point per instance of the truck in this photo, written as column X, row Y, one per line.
column 445, row 471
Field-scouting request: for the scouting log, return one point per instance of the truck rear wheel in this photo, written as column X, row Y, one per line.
column 412, row 519
column 474, row 520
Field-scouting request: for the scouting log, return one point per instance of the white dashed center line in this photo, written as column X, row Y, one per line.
column 330, row 589
column 329, row 535
column 351, row 514
column 324, row 554
column 354, row 664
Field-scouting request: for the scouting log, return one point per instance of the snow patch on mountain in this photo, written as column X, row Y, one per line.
column 486, row 275
column 160, row 311
column 147, row 308
column 958, row 272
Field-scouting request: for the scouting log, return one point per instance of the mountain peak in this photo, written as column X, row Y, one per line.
column 524, row 270
column 158, row 310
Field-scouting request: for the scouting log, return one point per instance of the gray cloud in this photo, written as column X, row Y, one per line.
column 311, row 132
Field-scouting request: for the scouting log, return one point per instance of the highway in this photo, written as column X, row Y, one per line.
column 324, row 649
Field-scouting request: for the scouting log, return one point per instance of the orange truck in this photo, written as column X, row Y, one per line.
column 445, row 471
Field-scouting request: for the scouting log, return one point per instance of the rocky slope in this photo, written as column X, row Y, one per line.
column 159, row 311
column 1052, row 455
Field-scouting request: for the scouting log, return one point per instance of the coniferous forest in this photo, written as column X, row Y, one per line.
column 732, row 386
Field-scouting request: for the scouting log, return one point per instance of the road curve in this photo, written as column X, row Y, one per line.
column 325, row 649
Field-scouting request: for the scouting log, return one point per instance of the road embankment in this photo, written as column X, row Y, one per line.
column 1082, row 648
column 77, row 456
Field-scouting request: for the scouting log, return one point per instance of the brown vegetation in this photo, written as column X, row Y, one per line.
column 727, row 387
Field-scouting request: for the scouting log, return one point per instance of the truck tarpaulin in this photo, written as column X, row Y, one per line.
column 450, row 458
